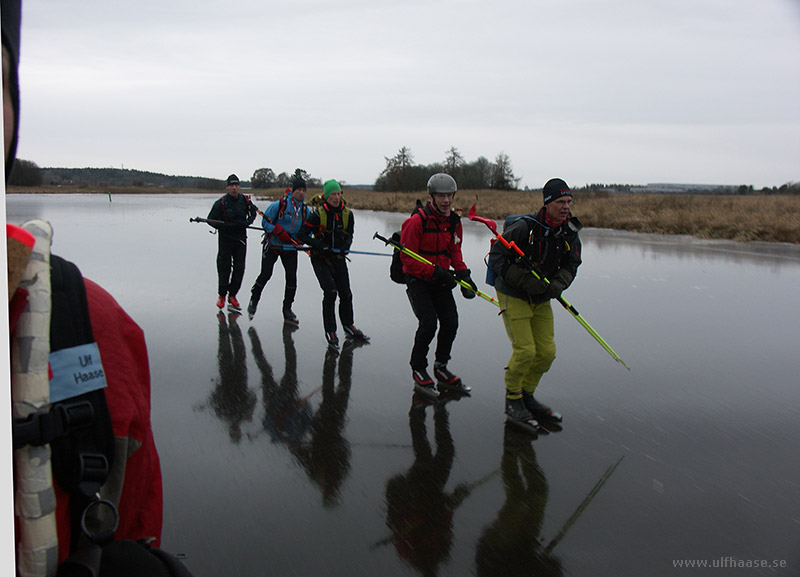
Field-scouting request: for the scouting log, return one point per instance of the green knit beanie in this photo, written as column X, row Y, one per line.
column 329, row 187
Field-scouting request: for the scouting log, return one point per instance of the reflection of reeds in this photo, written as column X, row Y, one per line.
column 771, row 218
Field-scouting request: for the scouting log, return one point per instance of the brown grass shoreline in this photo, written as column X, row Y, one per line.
column 767, row 218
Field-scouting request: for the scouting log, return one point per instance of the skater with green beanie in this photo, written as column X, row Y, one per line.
column 330, row 186
column 329, row 232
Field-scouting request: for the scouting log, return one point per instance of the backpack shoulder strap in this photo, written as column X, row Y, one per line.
column 282, row 206
column 84, row 454
column 323, row 217
column 345, row 217
column 454, row 219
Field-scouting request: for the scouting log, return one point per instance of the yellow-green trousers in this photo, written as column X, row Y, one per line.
column 533, row 347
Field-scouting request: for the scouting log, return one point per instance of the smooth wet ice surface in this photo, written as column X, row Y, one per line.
column 279, row 459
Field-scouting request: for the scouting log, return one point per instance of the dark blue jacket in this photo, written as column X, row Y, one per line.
column 235, row 214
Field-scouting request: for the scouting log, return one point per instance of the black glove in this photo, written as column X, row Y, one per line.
column 464, row 275
column 442, row 276
column 558, row 283
column 520, row 277
column 554, row 289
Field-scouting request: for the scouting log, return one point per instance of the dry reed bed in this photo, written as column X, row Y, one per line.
column 770, row 218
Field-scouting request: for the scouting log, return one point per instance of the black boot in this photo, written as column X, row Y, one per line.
column 252, row 305
column 518, row 415
column 423, row 383
column 540, row 410
column 289, row 316
column 447, row 380
column 354, row 333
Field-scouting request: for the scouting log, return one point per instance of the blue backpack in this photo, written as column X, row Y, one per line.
column 491, row 275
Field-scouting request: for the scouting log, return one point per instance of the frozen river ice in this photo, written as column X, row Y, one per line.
column 281, row 460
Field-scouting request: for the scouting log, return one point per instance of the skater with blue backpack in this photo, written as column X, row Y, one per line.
column 552, row 248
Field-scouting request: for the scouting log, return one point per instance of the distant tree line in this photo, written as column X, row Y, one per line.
column 265, row 178
column 25, row 173
column 28, row 173
column 742, row 189
column 402, row 174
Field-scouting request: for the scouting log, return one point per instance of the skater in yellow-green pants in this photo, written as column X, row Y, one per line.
column 550, row 243
column 530, row 329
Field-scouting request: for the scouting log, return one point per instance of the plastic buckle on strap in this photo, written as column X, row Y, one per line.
column 92, row 470
column 77, row 414
column 43, row 427
column 28, row 431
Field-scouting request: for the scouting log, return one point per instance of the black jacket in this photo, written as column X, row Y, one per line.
column 552, row 251
column 328, row 227
column 235, row 214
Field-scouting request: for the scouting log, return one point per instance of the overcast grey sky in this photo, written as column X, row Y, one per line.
column 612, row 91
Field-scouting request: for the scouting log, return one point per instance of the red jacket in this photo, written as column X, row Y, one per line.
column 124, row 355
column 437, row 238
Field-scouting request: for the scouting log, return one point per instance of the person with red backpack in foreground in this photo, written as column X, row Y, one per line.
column 87, row 477
column 549, row 239
column 232, row 214
column 281, row 222
column 434, row 232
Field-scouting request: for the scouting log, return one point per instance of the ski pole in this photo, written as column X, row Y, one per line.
column 423, row 260
column 198, row 219
column 473, row 215
column 585, row 503
column 304, row 248
column 297, row 245
column 361, row 252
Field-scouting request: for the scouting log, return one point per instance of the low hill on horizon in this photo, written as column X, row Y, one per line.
column 125, row 177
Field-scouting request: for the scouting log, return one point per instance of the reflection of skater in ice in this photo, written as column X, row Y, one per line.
column 231, row 400
column 512, row 545
column 287, row 417
column 326, row 456
column 420, row 512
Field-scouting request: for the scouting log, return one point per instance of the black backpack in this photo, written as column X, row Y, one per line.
column 396, row 267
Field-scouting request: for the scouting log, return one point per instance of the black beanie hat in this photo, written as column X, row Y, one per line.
column 10, row 17
column 555, row 188
column 298, row 182
column 232, row 179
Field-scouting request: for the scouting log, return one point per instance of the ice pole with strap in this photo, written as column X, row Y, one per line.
column 296, row 244
column 473, row 215
column 423, row 260
column 211, row 221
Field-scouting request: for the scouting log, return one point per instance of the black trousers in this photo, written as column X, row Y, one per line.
column 334, row 280
column 289, row 262
column 230, row 257
column 434, row 306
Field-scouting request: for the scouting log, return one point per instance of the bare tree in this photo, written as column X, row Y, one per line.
column 453, row 161
column 503, row 174
column 396, row 174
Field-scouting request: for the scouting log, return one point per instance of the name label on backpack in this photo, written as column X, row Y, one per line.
column 75, row 371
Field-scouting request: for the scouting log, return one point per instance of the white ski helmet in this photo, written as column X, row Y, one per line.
column 441, row 183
